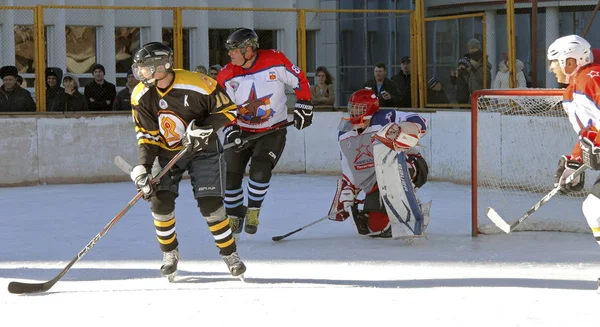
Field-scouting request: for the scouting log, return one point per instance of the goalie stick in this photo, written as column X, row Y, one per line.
column 23, row 288
column 505, row 227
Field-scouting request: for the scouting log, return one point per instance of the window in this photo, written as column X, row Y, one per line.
column 81, row 49
column 167, row 36
column 127, row 41
column 25, row 53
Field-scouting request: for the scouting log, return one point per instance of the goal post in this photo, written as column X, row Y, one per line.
column 517, row 137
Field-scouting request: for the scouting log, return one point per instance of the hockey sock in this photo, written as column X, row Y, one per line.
column 234, row 199
column 165, row 231
column 223, row 236
column 256, row 193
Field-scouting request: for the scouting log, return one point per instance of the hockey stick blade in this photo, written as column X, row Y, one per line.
column 25, row 288
column 281, row 237
column 122, row 164
column 505, row 227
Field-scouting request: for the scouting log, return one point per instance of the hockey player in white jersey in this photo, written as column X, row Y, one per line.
column 572, row 62
column 379, row 157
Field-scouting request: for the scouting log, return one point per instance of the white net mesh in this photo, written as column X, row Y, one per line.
column 520, row 136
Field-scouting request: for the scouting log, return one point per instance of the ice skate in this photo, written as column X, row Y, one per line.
column 236, row 224
column 169, row 267
column 235, row 265
column 252, row 221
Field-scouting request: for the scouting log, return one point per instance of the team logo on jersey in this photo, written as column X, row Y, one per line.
column 255, row 111
column 364, row 158
column 593, row 74
column 272, row 76
column 171, row 127
column 234, row 85
column 163, row 104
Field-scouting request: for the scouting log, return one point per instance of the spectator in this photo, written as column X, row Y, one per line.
column 473, row 46
column 74, row 100
column 460, row 79
column 14, row 98
column 502, row 79
column 123, row 100
column 100, row 94
column 402, row 79
column 19, row 80
column 322, row 93
column 476, row 72
column 200, row 69
column 54, row 93
column 435, row 93
column 385, row 89
column 214, row 70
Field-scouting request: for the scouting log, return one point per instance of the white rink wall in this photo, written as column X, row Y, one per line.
column 47, row 149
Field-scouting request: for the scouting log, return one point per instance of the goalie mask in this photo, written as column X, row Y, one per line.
column 361, row 106
column 570, row 46
column 152, row 58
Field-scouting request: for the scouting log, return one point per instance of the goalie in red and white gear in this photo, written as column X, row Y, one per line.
column 366, row 124
column 572, row 62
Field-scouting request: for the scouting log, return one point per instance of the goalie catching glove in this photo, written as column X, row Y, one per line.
column 566, row 166
column 303, row 114
column 196, row 137
column 400, row 137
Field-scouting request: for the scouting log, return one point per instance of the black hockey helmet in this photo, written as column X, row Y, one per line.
column 151, row 58
column 242, row 38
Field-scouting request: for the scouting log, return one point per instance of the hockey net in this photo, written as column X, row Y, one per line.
column 517, row 138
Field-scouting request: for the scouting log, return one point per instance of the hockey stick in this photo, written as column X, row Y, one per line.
column 22, row 288
column 505, row 227
column 126, row 167
column 281, row 237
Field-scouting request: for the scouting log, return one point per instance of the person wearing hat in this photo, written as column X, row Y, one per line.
column 214, row 70
column 402, row 79
column 14, row 98
column 100, row 93
column 123, row 100
column 435, row 93
column 73, row 99
column 54, row 92
column 460, row 80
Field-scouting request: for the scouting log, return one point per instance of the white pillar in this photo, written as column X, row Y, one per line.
column 7, row 50
column 552, row 33
column 491, row 41
column 57, row 55
column 197, row 21
column 105, row 53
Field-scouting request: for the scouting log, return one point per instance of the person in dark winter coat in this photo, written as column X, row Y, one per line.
column 123, row 100
column 14, row 98
column 55, row 94
column 385, row 89
column 402, row 79
column 460, row 79
column 100, row 93
column 73, row 99
column 435, row 93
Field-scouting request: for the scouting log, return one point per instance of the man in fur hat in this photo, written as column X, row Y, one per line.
column 14, row 98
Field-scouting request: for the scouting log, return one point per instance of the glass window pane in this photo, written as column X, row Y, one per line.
column 24, row 48
column 127, row 41
column 81, row 49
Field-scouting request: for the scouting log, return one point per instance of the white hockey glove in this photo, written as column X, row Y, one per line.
column 400, row 137
column 196, row 137
column 590, row 149
column 303, row 114
column 347, row 199
column 566, row 166
column 142, row 177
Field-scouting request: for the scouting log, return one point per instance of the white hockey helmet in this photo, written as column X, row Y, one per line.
column 571, row 46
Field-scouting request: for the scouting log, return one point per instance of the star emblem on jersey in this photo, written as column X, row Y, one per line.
column 593, row 74
column 364, row 158
column 255, row 111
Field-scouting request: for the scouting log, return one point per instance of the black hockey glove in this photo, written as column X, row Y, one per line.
column 303, row 114
column 566, row 166
column 142, row 177
column 196, row 137
column 233, row 135
column 418, row 169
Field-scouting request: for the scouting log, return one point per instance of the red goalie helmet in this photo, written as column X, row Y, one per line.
column 362, row 105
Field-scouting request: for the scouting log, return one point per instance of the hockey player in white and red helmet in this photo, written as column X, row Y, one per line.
column 571, row 59
column 364, row 126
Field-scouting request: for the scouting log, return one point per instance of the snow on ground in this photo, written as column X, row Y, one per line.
column 324, row 275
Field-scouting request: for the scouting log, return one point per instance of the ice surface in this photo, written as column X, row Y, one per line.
column 324, row 275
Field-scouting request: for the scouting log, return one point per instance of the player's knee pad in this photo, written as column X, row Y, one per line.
column 163, row 202
column 261, row 169
column 215, row 216
column 163, row 217
column 209, row 204
column 591, row 210
column 233, row 180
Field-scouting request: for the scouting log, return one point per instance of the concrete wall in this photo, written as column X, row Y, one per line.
column 81, row 149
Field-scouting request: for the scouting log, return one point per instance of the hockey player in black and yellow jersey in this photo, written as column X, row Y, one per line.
column 173, row 109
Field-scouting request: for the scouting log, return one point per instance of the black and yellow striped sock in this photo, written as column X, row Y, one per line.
column 165, row 232
column 223, row 236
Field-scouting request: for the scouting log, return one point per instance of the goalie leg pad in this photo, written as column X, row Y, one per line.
column 397, row 192
column 336, row 205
